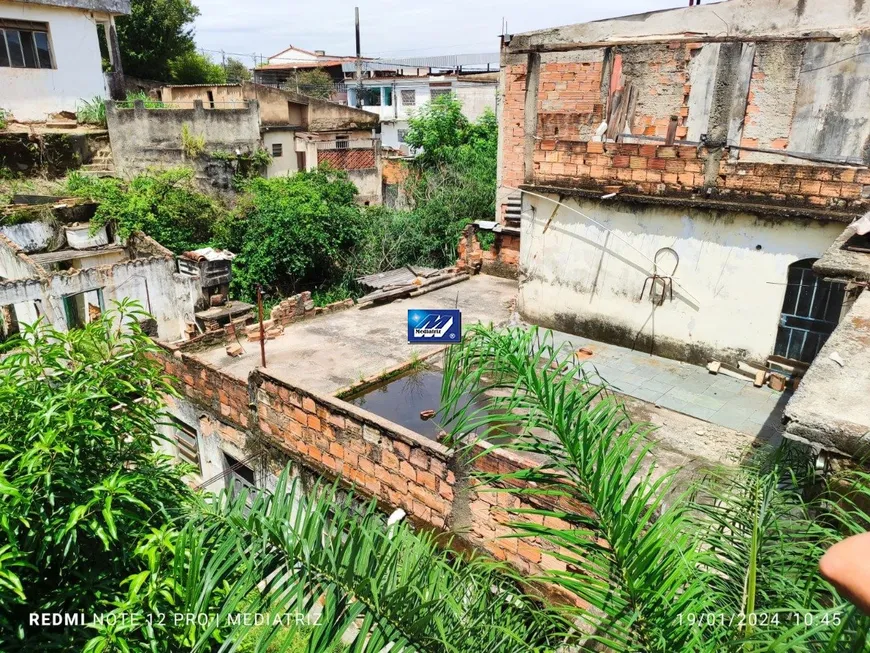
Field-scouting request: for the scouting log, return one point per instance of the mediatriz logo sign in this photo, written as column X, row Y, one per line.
column 435, row 326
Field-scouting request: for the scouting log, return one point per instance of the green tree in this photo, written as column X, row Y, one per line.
column 80, row 482
column 165, row 205
column 195, row 68
column 291, row 232
column 155, row 33
column 236, row 71
column 315, row 83
column 731, row 567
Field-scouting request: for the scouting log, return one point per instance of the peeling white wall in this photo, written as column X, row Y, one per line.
column 30, row 236
column 577, row 276
column 32, row 94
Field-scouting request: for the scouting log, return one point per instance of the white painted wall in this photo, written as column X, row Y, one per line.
column 578, row 272
column 476, row 98
column 32, row 94
column 286, row 163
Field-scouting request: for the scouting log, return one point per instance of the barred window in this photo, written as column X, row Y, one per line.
column 402, row 134
column 438, row 92
column 277, row 150
column 24, row 44
column 409, row 97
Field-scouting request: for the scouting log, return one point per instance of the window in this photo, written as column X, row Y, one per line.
column 300, row 161
column 342, row 142
column 438, row 92
column 277, row 150
column 186, row 442
column 83, row 308
column 409, row 97
column 388, row 96
column 371, row 97
column 402, row 134
column 240, row 476
column 24, row 44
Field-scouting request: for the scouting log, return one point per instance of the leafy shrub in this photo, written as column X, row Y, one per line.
column 164, row 204
column 196, row 68
column 147, row 100
column 79, row 477
column 93, row 112
column 3, row 119
column 291, row 232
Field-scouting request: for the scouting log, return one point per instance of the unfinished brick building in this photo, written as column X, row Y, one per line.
column 676, row 174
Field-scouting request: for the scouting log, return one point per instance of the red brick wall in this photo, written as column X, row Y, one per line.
column 502, row 259
column 347, row 159
column 512, row 127
column 679, row 169
column 399, row 468
column 570, row 106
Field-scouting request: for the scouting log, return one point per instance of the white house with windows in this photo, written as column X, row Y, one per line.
column 50, row 54
column 396, row 99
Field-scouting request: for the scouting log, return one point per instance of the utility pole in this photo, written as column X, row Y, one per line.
column 359, row 85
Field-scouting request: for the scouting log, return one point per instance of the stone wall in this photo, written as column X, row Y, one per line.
column 337, row 440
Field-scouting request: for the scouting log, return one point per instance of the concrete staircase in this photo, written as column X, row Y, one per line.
column 514, row 211
column 102, row 165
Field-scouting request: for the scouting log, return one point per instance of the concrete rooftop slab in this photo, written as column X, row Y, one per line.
column 332, row 351
column 831, row 407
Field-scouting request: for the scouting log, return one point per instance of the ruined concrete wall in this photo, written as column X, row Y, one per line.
column 580, row 278
column 153, row 282
column 330, row 116
column 326, row 437
column 146, row 138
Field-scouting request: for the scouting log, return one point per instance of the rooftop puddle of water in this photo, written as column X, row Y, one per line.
column 403, row 398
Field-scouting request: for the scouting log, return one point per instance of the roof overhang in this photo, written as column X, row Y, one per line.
column 115, row 7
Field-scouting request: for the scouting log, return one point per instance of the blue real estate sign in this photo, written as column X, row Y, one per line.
column 434, row 326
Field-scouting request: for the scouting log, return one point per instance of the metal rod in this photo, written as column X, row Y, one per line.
column 359, row 102
column 262, row 329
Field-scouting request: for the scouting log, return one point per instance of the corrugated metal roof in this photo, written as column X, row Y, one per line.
column 449, row 61
column 393, row 277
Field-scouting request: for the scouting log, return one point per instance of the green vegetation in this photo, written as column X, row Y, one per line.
column 165, row 205
column 156, row 33
column 2, row 118
column 94, row 522
column 147, row 100
column 236, row 71
column 92, row 112
column 191, row 144
column 661, row 570
column 81, row 486
column 195, row 68
column 291, row 232
column 315, row 83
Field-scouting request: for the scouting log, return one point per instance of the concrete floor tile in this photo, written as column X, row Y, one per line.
column 647, row 394
column 730, row 419
column 656, row 386
column 700, row 412
column 682, row 394
column 708, row 402
column 672, row 403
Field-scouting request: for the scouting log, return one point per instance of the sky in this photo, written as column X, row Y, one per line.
column 390, row 28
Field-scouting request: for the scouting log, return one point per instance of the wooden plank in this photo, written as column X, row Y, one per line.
column 441, row 284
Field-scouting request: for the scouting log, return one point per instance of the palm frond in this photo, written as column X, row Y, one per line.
column 633, row 561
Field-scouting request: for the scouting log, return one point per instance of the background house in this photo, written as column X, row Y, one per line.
column 674, row 186
column 298, row 132
column 50, row 54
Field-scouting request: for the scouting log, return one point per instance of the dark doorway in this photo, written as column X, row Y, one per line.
column 810, row 313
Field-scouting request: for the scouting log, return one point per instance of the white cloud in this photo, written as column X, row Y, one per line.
column 391, row 27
